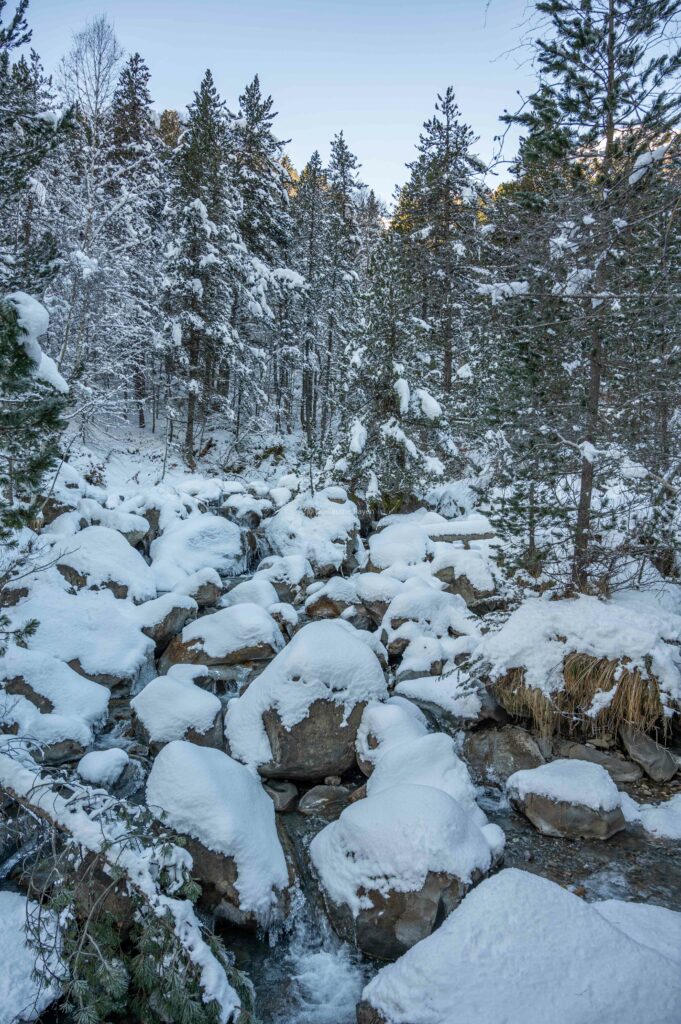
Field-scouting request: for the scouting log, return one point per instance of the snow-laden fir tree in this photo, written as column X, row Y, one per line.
column 206, row 271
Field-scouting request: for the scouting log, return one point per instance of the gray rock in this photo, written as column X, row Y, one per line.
column 325, row 801
column 283, row 794
column 172, row 623
column 619, row 769
column 494, row 754
column 567, row 820
column 212, row 737
column 322, row 744
column 656, row 761
column 396, row 921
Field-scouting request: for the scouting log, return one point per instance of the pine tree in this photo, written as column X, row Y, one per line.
column 207, row 267
column 31, row 407
column 139, row 186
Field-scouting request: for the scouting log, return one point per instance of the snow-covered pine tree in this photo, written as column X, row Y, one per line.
column 206, row 266
column 438, row 207
column 140, row 188
column 340, row 301
column 392, row 446
column 604, row 109
column 310, row 212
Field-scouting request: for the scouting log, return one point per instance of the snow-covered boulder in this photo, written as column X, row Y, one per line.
column 163, row 618
column 322, row 527
column 246, row 510
column 172, row 707
column 43, row 699
column 98, row 557
column 522, row 950
column 132, row 526
column 421, row 610
column 91, row 631
column 331, row 599
column 299, row 718
column 429, row 760
column 394, row 864
column 464, row 571
column 402, row 543
column 453, row 700
column 375, row 591
column 257, row 590
column 384, row 725
column 103, row 767
column 569, row 798
column 288, row 574
column 203, row 586
column 231, row 636
column 228, row 819
column 201, row 541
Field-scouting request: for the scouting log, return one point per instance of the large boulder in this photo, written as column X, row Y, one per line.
column 163, row 618
column 98, row 557
column 231, row 636
column 201, row 541
column 322, row 527
column 43, row 699
column 229, row 821
column 522, row 950
column 172, row 707
column 299, row 718
column 494, row 754
column 395, row 865
column 570, row 798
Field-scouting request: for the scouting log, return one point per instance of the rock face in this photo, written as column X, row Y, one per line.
column 321, row 744
column 494, row 754
column 656, row 761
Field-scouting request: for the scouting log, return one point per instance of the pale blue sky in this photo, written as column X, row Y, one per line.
column 370, row 67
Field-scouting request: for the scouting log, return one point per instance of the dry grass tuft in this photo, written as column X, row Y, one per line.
column 635, row 700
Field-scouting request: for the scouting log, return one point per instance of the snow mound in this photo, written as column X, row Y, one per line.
column 205, row 794
column 102, row 556
column 404, row 543
column 323, row 661
column 170, row 705
column 90, row 627
column 254, row 591
column 103, row 767
column 391, row 841
column 453, row 692
column 385, row 725
column 539, row 635
column 569, row 781
column 662, row 820
column 33, row 319
column 426, row 761
column 522, row 950
column 22, row 998
column 201, row 541
column 241, row 627
column 319, row 527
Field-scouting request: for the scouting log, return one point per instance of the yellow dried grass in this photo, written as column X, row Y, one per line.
column 635, row 701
